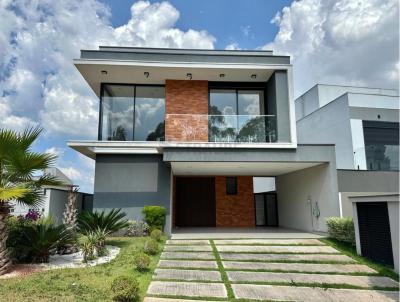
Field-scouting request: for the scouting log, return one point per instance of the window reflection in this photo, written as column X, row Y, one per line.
column 132, row 113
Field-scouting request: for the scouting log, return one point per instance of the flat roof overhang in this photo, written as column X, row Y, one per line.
column 219, row 159
column 134, row 72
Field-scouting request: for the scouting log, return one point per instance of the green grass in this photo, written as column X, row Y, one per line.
column 350, row 251
column 81, row 284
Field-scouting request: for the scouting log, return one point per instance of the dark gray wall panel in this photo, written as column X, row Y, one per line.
column 130, row 182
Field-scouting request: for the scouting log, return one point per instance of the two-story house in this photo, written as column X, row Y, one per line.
column 190, row 129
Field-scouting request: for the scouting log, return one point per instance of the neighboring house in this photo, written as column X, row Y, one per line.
column 363, row 123
column 55, row 198
column 190, row 129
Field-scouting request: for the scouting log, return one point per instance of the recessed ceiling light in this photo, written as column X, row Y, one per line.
column 253, row 76
column 222, row 75
column 146, row 74
column 189, row 75
column 104, row 72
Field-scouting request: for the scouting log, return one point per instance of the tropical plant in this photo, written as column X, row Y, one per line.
column 32, row 215
column 142, row 261
column 18, row 167
column 15, row 240
column 88, row 243
column 154, row 216
column 125, row 289
column 110, row 222
column 137, row 228
column 100, row 238
column 156, row 234
column 71, row 212
column 150, row 247
column 42, row 237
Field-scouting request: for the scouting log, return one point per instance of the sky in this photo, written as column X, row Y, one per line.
column 330, row 41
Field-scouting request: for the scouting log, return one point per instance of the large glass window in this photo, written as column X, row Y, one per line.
column 132, row 112
column 149, row 113
column 239, row 115
column 381, row 145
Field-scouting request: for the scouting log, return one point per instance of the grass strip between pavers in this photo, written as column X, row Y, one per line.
column 221, row 268
column 185, row 280
column 214, row 269
column 288, row 261
column 300, row 272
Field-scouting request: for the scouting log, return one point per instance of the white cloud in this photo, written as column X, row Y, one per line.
column 39, row 39
column 340, row 42
column 232, row 46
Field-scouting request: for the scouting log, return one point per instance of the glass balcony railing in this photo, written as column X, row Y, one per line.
column 378, row 157
column 222, row 128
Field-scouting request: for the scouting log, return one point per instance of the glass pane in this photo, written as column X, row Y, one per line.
column 381, row 145
column 222, row 102
column 260, row 209
column 149, row 113
column 271, row 210
column 250, row 102
column 117, row 113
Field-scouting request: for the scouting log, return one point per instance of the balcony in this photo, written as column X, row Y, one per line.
column 221, row 128
column 377, row 157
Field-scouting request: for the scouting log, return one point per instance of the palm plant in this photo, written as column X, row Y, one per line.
column 19, row 166
column 110, row 222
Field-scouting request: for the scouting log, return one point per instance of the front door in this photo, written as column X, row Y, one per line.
column 195, row 201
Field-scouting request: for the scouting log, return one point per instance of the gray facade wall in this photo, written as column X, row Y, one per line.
column 278, row 103
column 374, row 114
column 131, row 182
column 301, row 190
column 330, row 125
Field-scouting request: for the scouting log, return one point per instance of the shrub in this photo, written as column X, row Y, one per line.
column 137, row 228
column 33, row 215
column 87, row 245
column 110, row 222
column 150, row 247
column 42, row 237
column 142, row 261
column 99, row 240
column 156, row 234
column 341, row 229
column 125, row 289
column 154, row 216
column 15, row 240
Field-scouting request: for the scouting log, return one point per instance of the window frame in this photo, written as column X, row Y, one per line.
column 102, row 88
column 235, row 183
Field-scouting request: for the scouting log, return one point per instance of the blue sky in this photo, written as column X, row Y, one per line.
column 247, row 23
column 330, row 41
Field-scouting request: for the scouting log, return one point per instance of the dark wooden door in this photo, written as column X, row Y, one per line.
column 375, row 238
column 266, row 208
column 195, row 201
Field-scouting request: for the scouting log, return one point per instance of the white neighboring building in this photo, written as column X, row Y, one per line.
column 363, row 123
column 55, row 198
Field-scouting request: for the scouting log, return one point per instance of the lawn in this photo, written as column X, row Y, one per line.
column 81, row 284
column 350, row 251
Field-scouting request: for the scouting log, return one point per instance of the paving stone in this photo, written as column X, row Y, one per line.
column 311, row 294
column 187, row 264
column 188, row 255
column 154, row 299
column 276, row 249
column 188, row 242
column 269, row 241
column 362, row 281
column 286, row 257
column 187, row 275
column 300, row 267
column 187, row 248
column 189, row 289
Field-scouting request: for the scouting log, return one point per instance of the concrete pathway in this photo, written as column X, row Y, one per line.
column 288, row 269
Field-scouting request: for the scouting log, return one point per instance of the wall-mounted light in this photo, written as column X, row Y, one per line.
column 253, row 76
column 222, row 75
column 104, row 72
column 189, row 75
column 146, row 74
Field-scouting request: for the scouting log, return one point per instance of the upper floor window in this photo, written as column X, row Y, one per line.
column 381, row 145
column 239, row 115
column 132, row 113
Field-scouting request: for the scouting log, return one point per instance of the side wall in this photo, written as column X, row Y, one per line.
column 186, row 108
column 235, row 210
column 330, row 125
column 298, row 193
column 131, row 182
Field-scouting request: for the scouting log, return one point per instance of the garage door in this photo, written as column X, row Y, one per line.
column 374, row 227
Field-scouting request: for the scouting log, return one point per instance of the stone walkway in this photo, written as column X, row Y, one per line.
column 293, row 269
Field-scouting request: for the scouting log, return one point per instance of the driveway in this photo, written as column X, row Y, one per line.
column 264, row 269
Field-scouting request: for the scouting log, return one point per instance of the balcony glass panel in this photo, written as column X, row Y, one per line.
column 381, row 145
column 223, row 102
column 117, row 113
column 149, row 113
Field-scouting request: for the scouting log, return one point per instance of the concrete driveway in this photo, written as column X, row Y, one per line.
column 289, row 269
